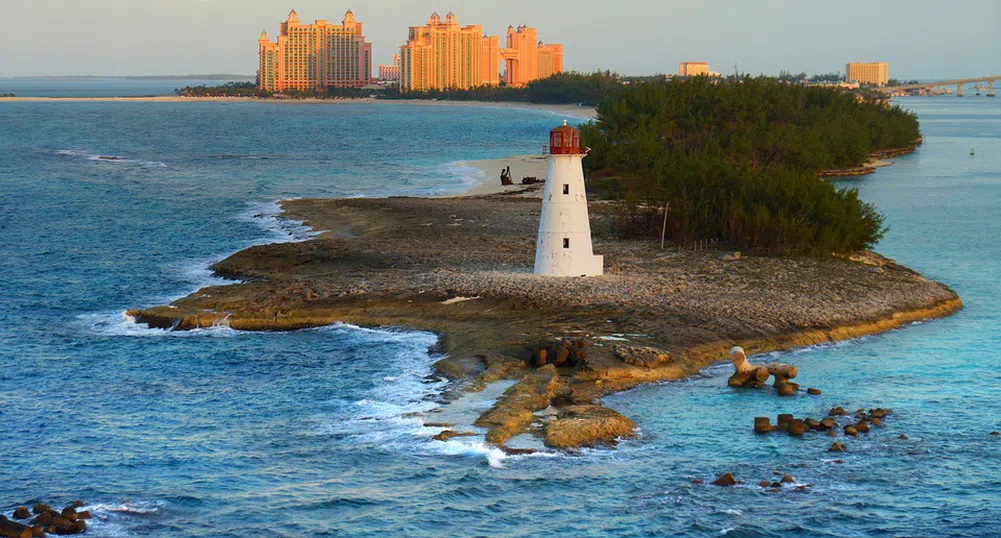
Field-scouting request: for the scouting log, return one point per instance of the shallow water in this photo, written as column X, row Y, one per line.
column 318, row 433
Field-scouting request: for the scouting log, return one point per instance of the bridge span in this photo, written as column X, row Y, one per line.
column 959, row 83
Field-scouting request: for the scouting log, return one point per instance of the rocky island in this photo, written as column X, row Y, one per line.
column 462, row 268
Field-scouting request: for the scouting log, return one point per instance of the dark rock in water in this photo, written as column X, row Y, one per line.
column 39, row 508
column 911, row 453
column 13, row 529
column 37, row 531
column 426, row 425
column 518, row 451
column 83, row 515
column 862, row 426
column 812, row 423
column 828, row 423
column 786, row 389
column 832, row 433
column 837, row 461
column 878, row 413
column 902, row 436
column 725, row 480
column 813, row 391
column 788, row 479
column 764, row 484
column 797, row 427
column 837, row 412
column 783, row 422
column 79, row 526
column 77, row 504
column 777, row 485
column 22, row 512
column 62, row 523
column 850, row 430
column 446, row 435
column 995, row 433
column 69, row 513
column 876, row 422
column 762, row 425
column 697, row 481
column 44, row 519
column 836, row 447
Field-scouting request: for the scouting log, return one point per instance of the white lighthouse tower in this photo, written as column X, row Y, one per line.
column 564, row 245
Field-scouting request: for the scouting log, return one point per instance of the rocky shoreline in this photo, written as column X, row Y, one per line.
column 461, row 267
column 877, row 159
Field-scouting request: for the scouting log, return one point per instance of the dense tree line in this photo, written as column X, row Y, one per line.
column 564, row 88
column 229, row 89
column 738, row 161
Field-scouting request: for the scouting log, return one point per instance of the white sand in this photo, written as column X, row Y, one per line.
column 521, row 166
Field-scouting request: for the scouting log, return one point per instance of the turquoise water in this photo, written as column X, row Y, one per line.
column 313, row 433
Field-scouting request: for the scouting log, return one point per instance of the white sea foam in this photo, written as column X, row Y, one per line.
column 122, row 324
column 279, row 229
column 110, row 159
column 464, row 176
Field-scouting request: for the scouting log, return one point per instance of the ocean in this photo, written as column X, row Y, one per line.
column 219, row 433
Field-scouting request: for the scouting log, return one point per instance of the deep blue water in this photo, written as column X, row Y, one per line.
column 97, row 87
column 313, row 433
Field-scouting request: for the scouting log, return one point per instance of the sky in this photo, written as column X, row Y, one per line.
column 921, row 39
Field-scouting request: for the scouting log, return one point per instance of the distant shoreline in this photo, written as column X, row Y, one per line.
column 569, row 111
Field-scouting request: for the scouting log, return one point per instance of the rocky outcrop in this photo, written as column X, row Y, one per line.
column 642, row 356
column 512, row 413
column 580, row 426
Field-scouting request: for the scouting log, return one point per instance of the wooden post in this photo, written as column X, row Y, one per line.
column 663, row 229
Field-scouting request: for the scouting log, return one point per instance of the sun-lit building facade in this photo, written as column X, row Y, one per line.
column 444, row 55
column 315, row 56
column 868, row 73
column 391, row 71
column 693, row 69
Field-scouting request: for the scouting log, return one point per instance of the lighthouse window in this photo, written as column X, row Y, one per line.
column 566, row 242
column 566, row 188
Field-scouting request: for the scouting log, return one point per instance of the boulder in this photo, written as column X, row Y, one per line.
column 539, row 358
column 797, row 427
column 812, row 423
column 746, row 374
column 785, row 389
column 44, row 519
column 995, row 433
column 813, row 391
column 828, row 423
column 443, row 436
column 83, row 515
column 783, row 422
column 762, row 425
column 851, row 431
column 903, row 437
column 725, row 480
column 22, row 512
column 698, row 482
column 837, row 412
column 862, row 426
column 69, row 513
column 39, row 508
column 764, row 484
column 13, row 529
column 788, row 479
column 579, row 426
column 832, row 433
column 37, row 531
column 836, row 447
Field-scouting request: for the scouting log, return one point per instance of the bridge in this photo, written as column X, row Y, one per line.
column 959, row 83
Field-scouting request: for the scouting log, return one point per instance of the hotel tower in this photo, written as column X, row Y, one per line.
column 315, row 56
column 443, row 55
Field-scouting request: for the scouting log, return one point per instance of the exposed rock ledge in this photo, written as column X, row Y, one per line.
column 398, row 261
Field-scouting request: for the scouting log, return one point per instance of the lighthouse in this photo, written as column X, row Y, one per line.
column 564, row 244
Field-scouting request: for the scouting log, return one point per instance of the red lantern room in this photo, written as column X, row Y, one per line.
column 565, row 140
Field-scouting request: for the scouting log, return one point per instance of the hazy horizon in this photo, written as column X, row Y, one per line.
column 921, row 40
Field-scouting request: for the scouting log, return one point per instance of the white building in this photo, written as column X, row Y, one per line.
column 564, row 244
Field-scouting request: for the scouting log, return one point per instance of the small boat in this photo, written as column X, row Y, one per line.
column 971, row 153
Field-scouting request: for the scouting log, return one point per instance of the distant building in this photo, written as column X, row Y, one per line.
column 443, row 55
column 870, row 74
column 390, row 72
column 527, row 59
column 693, row 69
column 315, row 56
